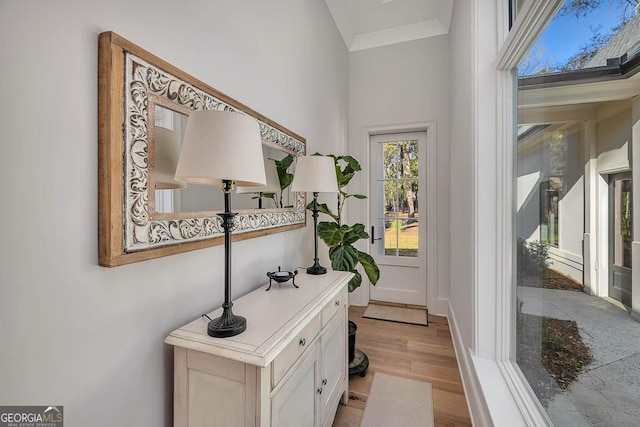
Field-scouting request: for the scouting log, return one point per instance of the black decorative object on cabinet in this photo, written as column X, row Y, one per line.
column 282, row 276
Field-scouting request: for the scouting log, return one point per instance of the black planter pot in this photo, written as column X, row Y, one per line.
column 358, row 361
column 352, row 340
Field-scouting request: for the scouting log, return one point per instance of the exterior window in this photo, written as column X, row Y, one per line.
column 573, row 294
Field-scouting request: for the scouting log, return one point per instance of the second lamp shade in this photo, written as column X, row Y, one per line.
column 315, row 174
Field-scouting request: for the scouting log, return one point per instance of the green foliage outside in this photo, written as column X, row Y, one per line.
column 533, row 257
column 400, row 172
column 341, row 237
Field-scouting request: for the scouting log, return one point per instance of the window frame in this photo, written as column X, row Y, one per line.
column 527, row 27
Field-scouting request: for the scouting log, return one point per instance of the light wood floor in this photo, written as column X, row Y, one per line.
column 411, row 351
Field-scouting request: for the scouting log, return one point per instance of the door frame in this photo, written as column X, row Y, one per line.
column 611, row 206
column 430, row 274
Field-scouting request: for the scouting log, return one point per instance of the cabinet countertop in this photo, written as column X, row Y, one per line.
column 273, row 317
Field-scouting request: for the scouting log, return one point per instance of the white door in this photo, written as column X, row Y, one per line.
column 398, row 199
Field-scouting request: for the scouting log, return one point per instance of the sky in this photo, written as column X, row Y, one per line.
column 565, row 34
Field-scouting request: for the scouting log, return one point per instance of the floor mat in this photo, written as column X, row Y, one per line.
column 398, row 401
column 397, row 314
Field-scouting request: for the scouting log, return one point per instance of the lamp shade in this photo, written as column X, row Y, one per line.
column 221, row 145
column 166, row 155
column 315, row 174
column 273, row 182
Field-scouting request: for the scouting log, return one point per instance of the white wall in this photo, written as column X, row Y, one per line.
column 476, row 184
column 531, row 173
column 462, row 231
column 534, row 167
column 91, row 338
column 572, row 201
column 395, row 85
column 614, row 143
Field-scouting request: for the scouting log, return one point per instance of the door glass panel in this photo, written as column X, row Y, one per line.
column 390, row 204
column 407, row 237
column 398, row 186
column 549, row 206
column 623, row 224
column 390, row 237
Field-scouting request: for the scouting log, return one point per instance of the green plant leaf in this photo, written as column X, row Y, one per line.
column 323, row 208
column 370, row 267
column 284, row 163
column 330, row 233
column 353, row 163
column 343, row 257
column 345, row 177
column 354, row 233
column 355, row 281
column 349, row 170
column 284, row 177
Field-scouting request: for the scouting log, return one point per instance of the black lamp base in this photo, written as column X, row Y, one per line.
column 316, row 269
column 227, row 325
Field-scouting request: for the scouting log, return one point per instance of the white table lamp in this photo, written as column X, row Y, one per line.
column 223, row 148
column 315, row 174
column 272, row 185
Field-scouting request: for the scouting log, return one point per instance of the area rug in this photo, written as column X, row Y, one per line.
column 397, row 401
column 397, row 314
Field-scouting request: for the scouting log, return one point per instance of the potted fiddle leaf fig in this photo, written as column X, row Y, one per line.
column 344, row 256
column 341, row 237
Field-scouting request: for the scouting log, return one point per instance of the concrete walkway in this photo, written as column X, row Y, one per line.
column 607, row 393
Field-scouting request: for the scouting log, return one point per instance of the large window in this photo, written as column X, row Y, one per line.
column 573, row 213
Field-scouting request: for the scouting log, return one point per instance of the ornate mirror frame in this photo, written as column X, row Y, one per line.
column 130, row 81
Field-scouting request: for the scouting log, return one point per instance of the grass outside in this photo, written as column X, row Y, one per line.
column 407, row 241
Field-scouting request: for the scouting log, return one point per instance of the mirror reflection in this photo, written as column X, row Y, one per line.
column 173, row 196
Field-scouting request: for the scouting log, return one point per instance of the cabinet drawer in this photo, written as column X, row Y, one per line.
column 332, row 307
column 294, row 349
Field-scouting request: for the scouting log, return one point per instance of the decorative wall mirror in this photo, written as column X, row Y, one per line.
column 143, row 107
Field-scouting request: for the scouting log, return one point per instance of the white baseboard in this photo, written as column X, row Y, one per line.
column 478, row 409
column 495, row 392
column 441, row 308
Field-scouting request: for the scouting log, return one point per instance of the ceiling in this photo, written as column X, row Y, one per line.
column 365, row 24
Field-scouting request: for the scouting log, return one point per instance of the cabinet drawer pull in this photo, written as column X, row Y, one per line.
column 303, row 342
column 320, row 390
column 337, row 303
column 324, row 381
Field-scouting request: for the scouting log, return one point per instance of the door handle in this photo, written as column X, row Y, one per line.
column 373, row 235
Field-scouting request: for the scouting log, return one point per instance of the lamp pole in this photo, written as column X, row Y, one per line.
column 316, row 268
column 228, row 324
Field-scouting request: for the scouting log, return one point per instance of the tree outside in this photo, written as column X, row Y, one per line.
column 400, row 181
column 600, row 20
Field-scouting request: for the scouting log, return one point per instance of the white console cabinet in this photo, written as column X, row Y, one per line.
column 289, row 368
